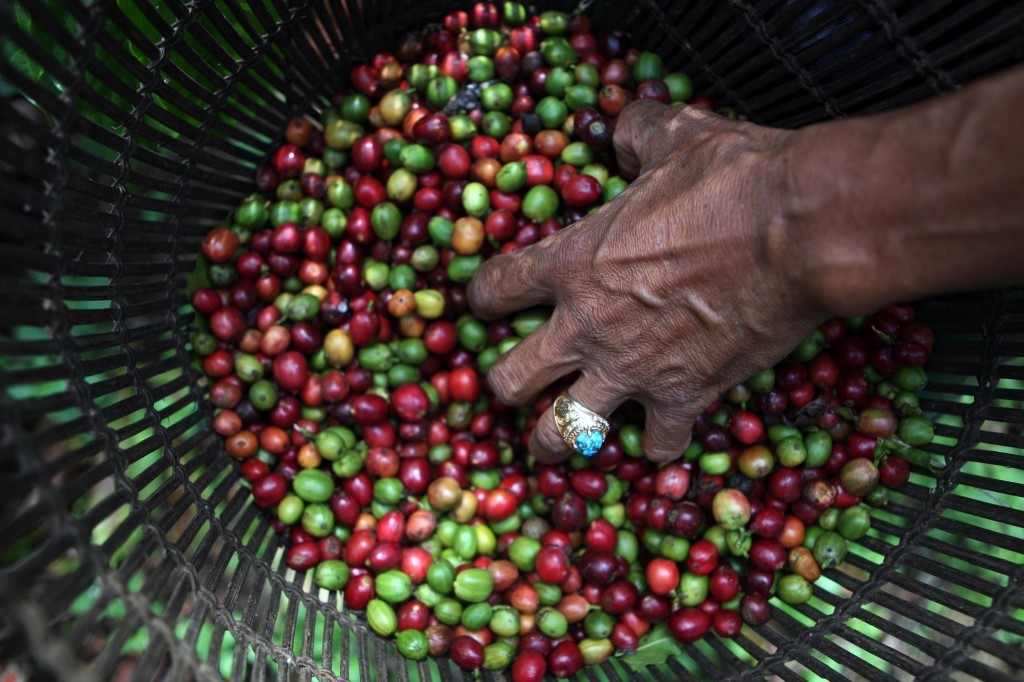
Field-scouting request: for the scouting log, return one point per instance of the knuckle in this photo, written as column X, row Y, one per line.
column 603, row 393
column 555, row 346
column 637, row 125
column 560, row 333
column 561, row 251
column 669, row 117
column 642, row 111
column 507, row 379
column 481, row 290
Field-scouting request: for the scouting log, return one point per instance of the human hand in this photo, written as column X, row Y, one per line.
column 678, row 289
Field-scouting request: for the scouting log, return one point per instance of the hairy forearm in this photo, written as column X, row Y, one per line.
column 923, row 201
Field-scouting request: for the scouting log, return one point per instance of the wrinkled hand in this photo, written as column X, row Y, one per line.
column 680, row 288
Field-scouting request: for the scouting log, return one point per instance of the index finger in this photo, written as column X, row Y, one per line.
column 633, row 130
column 505, row 284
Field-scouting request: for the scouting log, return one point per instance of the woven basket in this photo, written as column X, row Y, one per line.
column 128, row 548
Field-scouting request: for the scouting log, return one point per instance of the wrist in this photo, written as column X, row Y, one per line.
column 794, row 243
column 832, row 258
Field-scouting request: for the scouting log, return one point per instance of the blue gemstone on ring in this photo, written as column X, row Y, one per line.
column 589, row 442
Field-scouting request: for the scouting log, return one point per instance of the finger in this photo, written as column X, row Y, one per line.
column 648, row 131
column 636, row 125
column 532, row 365
column 509, row 283
column 546, row 442
column 667, row 431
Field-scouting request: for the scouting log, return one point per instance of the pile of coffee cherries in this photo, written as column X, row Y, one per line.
column 349, row 378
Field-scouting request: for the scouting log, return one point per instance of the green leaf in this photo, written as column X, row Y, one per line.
column 200, row 277
column 654, row 648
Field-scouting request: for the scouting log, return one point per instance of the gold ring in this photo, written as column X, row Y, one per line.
column 583, row 430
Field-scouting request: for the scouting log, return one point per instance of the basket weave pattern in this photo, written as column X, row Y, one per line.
column 131, row 128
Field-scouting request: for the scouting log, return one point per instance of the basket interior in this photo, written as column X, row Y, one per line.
column 129, row 550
